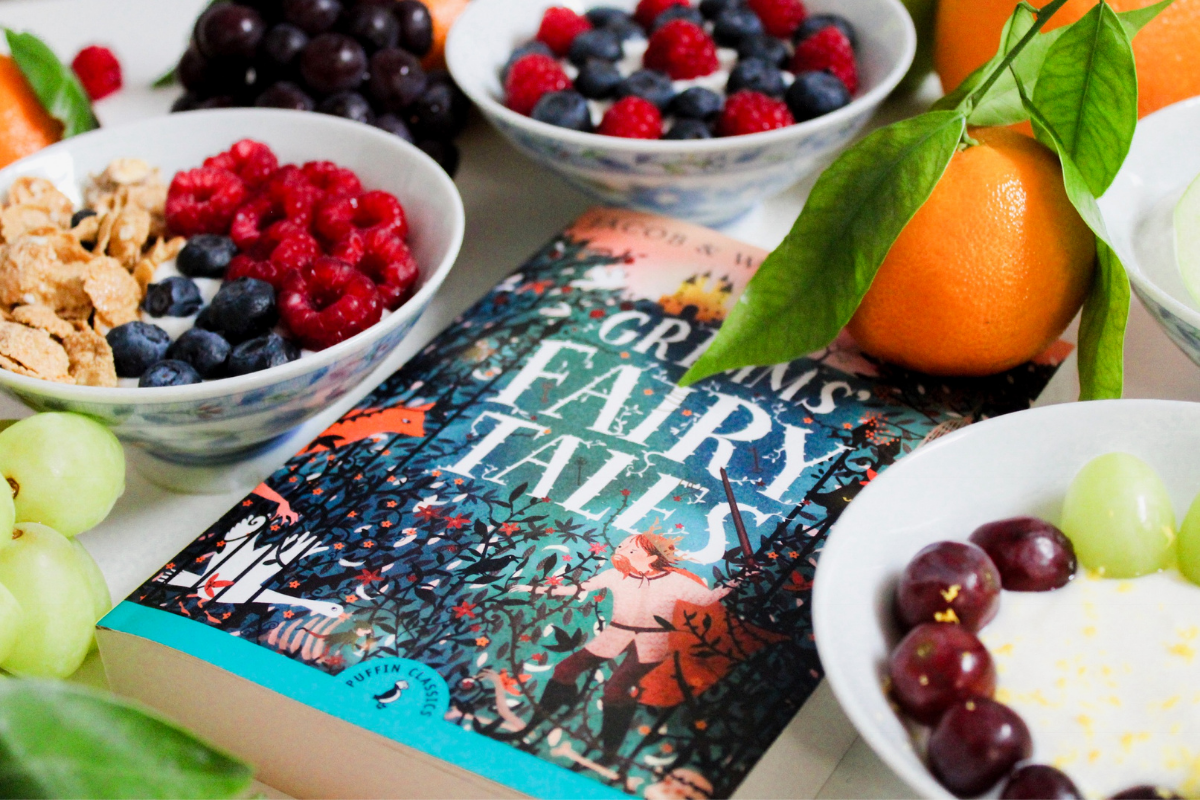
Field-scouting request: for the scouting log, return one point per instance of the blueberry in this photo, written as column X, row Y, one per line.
column 169, row 373
column 649, row 85
column 204, row 350
column 261, row 353
column 175, row 296
column 735, row 24
column 80, row 215
column 242, row 309
column 567, row 109
column 757, row 76
column 600, row 44
column 137, row 345
column 603, row 16
column 697, row 103
column 685, row 128
column 813, row 94
column 598, row 79
column 686, row 13
column 350, row 105
column 765, row 48
column 711, row 9
column 394, row 125
column 206, row 255
column 541, row 48
column 818, row 22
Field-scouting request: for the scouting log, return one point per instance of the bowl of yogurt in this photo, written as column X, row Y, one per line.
column 1103, row 671
column 710, row 181
column 224, row 420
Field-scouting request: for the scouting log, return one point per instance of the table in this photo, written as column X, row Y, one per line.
column 149, row 524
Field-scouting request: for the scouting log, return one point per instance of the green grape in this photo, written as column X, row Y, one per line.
column 97, row 586
column 65, row 469
column 1188, row 548
column 10, row 621
column 1118, row 515
column 8, row 514
column 43, row 572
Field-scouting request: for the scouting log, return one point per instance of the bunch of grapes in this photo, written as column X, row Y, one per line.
column 64, row 472
column 359, row 59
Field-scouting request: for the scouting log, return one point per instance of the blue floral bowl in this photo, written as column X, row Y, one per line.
column 707, row 181
column 224, row 420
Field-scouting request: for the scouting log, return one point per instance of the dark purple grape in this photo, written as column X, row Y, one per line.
column 185, row 102
column 416, row 26
column 205, row 77
column 285, row 94
column 935, row 666
column 333, row 62
column 949, row 582
column 270, row 10
column 193, row 71
column 283, row 44
column 218, row 101
column 975, row 744
column 229, row 30
column 1040, row 782
column 443, row 152
column 394, row 125
column 312, row 16
column 350, row 105
column 434, row 114
column 375, row 27
column 397, row 79
column 1031, row 554
column 1146, row 792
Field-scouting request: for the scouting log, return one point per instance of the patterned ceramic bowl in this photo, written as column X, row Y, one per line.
column 708, row 181
column 226, row 419
column 1138, row 211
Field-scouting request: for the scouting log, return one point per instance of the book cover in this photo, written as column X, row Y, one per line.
column 517, row 555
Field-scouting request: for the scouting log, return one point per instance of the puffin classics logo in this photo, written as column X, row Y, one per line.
column 401, row 684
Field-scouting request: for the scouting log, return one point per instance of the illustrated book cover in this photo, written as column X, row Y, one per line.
column 514, row 567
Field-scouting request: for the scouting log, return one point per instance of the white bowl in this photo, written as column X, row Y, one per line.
column 708, row 181
column 1163, row 159
column 1012, row 465
column 225, row 419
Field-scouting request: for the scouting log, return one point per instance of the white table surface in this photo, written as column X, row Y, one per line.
column 513, row 207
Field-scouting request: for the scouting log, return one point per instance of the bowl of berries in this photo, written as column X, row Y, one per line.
column 1014, row 610
column 697, row 112
column 203, row 293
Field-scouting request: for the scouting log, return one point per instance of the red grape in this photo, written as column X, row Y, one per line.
column 1146, row 792
column 1040, row 782
column 937, row 665
column 333, row 62
column 1031, row 554
column 975, row 744
column 229, row 30
column 949, row 582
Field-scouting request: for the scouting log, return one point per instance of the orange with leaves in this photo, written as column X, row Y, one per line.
column 25, row 126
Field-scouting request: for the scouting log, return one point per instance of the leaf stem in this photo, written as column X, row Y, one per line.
column 1043, row 16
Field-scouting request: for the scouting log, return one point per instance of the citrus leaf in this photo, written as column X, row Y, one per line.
column 1133, row 21
column 168, row 78
column 63, row 740
column 1087, row 92
column 55, row 84
column 808, row 288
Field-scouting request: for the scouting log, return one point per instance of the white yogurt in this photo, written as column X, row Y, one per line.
column 1106, row 674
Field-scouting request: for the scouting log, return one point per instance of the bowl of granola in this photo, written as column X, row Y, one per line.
column 203, row 293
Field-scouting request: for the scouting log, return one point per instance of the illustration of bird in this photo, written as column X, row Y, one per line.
column 391, row 695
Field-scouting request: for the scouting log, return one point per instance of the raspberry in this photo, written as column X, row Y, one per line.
column 828, row 49
column 350, row 248
column 98, row 71
column 529, row 78
column 328, row 302
column 245, row 266
column 632, row 118
column 251, row 220
column 389, row 263
column 753, row 112
column 332, row 179
column 682, row 50
column 251, row 161
column 203, row 200
column 779, row 17
column 292, row 194
column 336, row 218
column 648, row 10
column 559, row 28
column 289, row 255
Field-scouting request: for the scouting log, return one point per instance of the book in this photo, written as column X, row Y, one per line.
column 514, row 568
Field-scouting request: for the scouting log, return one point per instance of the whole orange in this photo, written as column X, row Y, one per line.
column 988, row 273
column 1167, row 52
column 444, row 13
column 25, row 126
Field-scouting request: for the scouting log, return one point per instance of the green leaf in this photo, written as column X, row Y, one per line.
column 1135, row 20
column 62, row 740
column 808, row 288
column 54, row 83
column 168, row 78
column 1087, row 92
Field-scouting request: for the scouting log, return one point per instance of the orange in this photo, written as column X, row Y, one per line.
column 443, row 12
column 988, row 273
column 1167, row 51
column 25, row 126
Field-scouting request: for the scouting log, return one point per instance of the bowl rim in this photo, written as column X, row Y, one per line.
column 825, row 623
column 455, row 62
column 224, row 387
column 1165, row 117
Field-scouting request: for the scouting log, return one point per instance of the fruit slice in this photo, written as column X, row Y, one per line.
column 66, row 470
column 25, row 127
column 1118, row 515
column 1187, row 238
column 1188, row 549
column 43, row 573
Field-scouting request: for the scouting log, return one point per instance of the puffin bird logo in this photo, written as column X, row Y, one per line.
column 391, row 695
